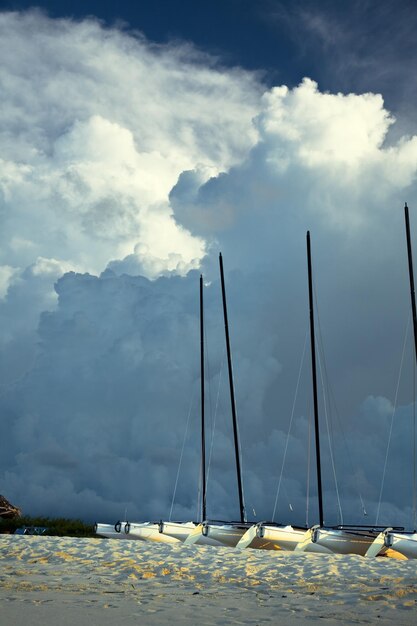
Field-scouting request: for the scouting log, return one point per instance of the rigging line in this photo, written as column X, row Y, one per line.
column 239, row 443
column 324, row 377
column 239, row 437
column 199, row 495
column 289, row 427
column 332, row 399
column 332, row 402
column 308, row 467
column 287, row 498
column 392, row 420
column 182, row 454
column 207, row 369
column 239, row 440
column 349, row 456
column 215, row 416
column 330, row 437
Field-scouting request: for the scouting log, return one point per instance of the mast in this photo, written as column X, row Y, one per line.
column 203, row 442
column 232, row 396
column 314, row 374
column 413, row 308
column 411, row 275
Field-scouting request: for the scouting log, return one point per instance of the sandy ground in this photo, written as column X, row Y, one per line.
column 47, row 581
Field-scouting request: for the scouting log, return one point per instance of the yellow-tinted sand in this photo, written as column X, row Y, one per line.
column 48, row 580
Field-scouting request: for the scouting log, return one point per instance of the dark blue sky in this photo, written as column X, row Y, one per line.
column 241, row 32
column 360, row 45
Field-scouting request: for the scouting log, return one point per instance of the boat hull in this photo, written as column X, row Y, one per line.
column 109, row 531
column 343, row 541
column 134, row 531
column 222, row 534
column 182, row 530
column 321, row 540
column 288, row 538
column 402, row 543
column 150, row 531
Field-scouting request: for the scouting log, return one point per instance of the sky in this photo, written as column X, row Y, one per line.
column 137, row 141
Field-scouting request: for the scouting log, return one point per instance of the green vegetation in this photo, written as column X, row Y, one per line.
column 55, row 527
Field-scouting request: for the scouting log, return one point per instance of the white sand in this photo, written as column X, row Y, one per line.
column 48, row 581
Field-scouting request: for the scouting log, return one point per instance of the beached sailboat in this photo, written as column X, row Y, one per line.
column 272, row 536
column 191, row 532
column 401, row 541
column 209, row 532
column 226, row 533
column 162, row 531
column 108, row 530
column 342, row 539
column 203, row 532
column 145, row 531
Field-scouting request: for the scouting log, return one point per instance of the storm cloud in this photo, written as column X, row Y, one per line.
column 126, row 168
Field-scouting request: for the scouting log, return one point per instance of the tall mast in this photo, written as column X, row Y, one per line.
column 413, row 307
column 313, row 369
column 232, row 397
column 411, row 274
column 203, row 442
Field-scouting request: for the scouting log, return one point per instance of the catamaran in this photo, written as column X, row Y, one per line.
column 109, row 531
column 204, row 532
column 209, row 532
column 272, row 536
column 145, row 531
column 342, row 539
column 160, row 532
column 399, row 540
column 196, row 532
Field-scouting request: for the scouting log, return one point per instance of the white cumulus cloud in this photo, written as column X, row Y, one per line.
column 124, row 166
column 95, row 127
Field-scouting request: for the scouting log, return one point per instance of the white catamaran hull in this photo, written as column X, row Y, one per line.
column 109, row 531
column 404, row 543
column 269, row 537
column 149, row 531
column 182, row 531
column 343, row 541
column 319, row 540
column 223, row 534
column 218, row 534
column 142, row 531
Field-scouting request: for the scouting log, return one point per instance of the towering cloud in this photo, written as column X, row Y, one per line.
column 125, row 168
column 96, row 126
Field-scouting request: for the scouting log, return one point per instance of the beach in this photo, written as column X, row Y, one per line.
column 50, row 580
